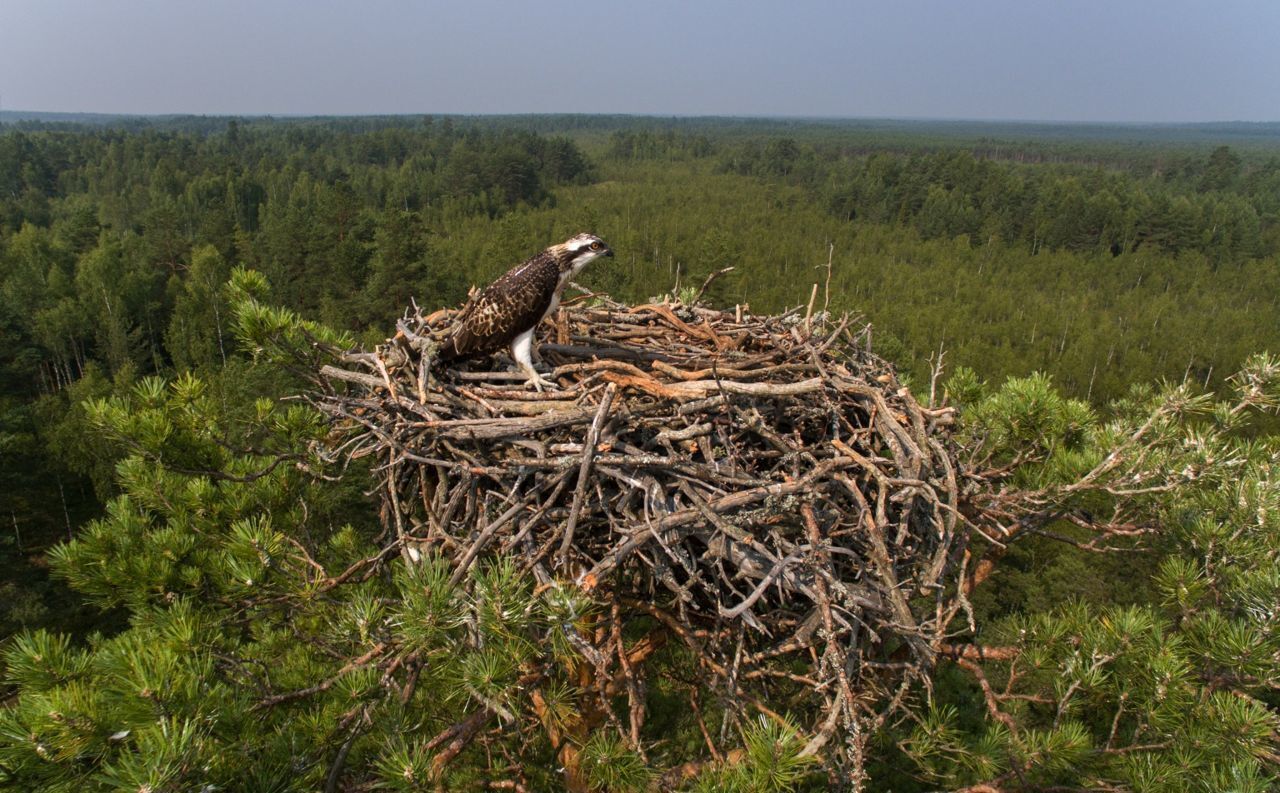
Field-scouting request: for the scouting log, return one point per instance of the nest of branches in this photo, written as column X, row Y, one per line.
column 762, row 489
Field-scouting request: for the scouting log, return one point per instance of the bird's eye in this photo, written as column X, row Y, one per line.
column 595, row 246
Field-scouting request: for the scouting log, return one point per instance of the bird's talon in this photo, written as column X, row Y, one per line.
column 539, row 382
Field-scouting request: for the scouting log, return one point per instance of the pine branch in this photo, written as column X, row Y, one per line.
column 276, row 699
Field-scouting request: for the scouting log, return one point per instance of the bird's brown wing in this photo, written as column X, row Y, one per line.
column 505, row 309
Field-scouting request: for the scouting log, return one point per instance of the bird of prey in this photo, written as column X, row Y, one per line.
column 509, row 310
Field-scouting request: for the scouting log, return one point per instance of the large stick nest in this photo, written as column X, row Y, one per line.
column 763, row 487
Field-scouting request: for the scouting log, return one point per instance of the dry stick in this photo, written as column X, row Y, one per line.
column 721, row 523
column 386, row 378
column 725, row 504
column 529, row 524
column 884, row 569
column 728, row 372
column 366, row 380
column 395, row 508
column 424, row 365
column 826, row 292
column 480, row 542
column 635, row 702
column 499, row 428
column 988, row 693
column 457, row 736
column 901, row 441
column 808, row 312
column 584, row 472
column 935, row 373
column 755, row 595
column 675, row 626
column 707, row 283
column 668, row 316
column 823, row 735
column 702, row 725
column 846, row 703
column 695, row 389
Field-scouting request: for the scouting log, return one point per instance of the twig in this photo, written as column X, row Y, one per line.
column 697, row 298
column 584, row 471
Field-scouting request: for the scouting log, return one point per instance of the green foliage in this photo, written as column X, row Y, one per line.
column 404, row 767
column 951, row 193
column 235, row 666
column 40, row 661
column 1096, row 322
column 194, row 517
column 274, row 334
column 1174, row 693
column 609, row 765
column 224, row 610
column 772, row 762
column 1126, row 700
column 199, row 336
column 139, row 412
column 1027, row 418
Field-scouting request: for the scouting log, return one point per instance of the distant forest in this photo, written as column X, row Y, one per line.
column 1107, row 257
column 1102, row 256
column 1092, row 259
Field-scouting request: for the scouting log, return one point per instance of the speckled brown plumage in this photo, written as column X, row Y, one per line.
column 506, row 308
column 519, row 300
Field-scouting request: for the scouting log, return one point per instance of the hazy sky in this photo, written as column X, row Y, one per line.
column 1105, row 60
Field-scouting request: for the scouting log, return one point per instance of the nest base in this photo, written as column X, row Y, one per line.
column 763, row 487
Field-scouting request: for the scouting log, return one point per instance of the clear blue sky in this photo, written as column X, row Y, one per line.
column 1075, row 60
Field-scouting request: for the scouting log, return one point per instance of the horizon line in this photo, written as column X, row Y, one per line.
column 722, row 116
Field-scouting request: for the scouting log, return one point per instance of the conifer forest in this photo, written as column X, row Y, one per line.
column 1014, row 387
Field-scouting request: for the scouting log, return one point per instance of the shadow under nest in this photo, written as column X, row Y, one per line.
column 761, row 487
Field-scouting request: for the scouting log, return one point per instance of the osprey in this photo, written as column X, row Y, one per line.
column 508, row 311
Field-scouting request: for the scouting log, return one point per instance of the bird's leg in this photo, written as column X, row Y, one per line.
column 521, row 351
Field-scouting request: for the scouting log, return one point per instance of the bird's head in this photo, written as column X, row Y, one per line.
column 577, row 252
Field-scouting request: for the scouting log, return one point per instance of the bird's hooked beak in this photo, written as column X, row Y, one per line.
column 608, row 251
